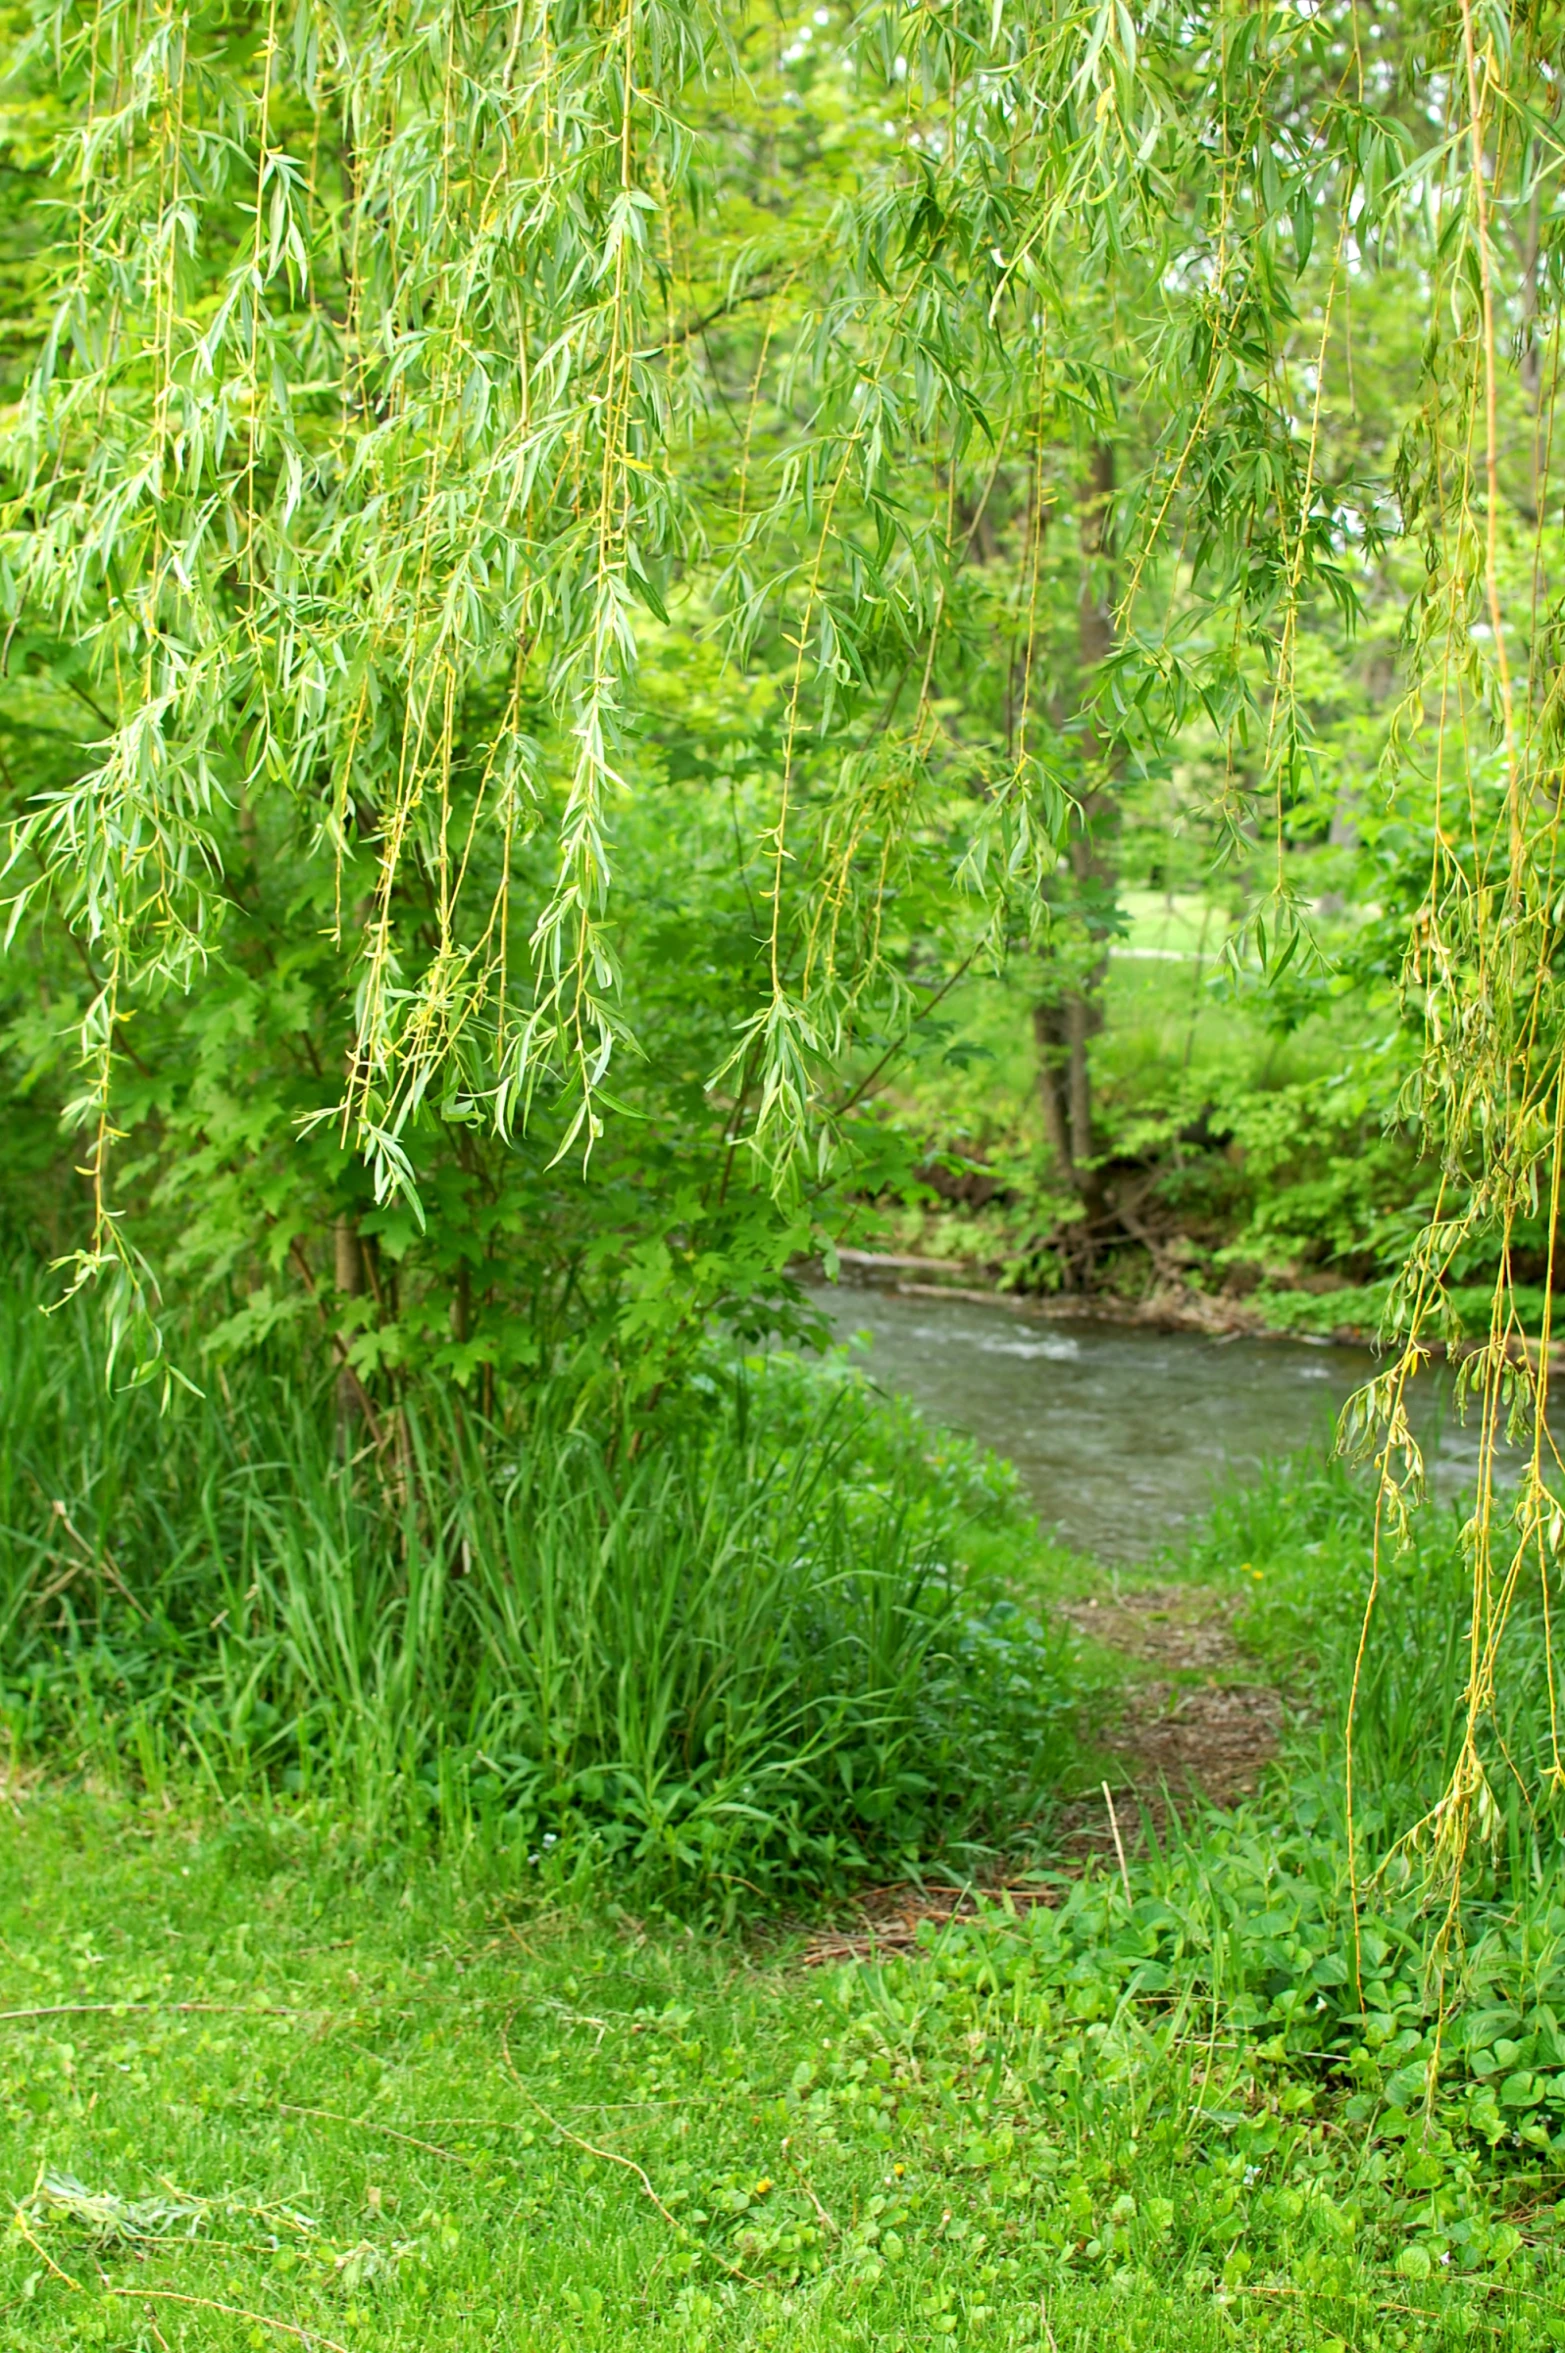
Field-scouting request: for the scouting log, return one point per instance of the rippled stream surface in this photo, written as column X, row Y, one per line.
column 1120, row 1434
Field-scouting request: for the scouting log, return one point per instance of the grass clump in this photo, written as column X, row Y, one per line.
column 1297, row 1545
column 766, row 1645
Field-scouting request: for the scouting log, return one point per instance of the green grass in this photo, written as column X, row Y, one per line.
column 345, row 2093
column 321, row 2024
column 336, row 2082
column 1295, row 1546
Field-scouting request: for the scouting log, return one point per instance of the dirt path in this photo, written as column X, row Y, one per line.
column 1201, row 1725
column 1193, row 1724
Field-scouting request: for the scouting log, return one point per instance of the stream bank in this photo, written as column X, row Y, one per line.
column 1121, row 1432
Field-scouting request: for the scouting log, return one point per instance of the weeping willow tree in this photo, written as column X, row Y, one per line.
column 412, row 368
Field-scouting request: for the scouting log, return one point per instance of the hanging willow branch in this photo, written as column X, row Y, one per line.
column 378, row 421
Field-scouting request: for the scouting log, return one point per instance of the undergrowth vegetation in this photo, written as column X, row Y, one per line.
column 267, row 2075
column 324, row 2012
column 1300, row 1542
column 768, row 1641
column 599, row 603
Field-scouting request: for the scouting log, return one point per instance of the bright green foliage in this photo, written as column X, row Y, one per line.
column 1255, row 1148
column 398, row 2111
column 546, row 554
column 334, row 2086
column 767, row 1642
column 410, row 393
column 510, row 1268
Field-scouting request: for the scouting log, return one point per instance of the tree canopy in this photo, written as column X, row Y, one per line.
column 570, row 568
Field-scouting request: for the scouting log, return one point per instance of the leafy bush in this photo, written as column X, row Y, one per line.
column 1362, row 1307
column 767, row 1639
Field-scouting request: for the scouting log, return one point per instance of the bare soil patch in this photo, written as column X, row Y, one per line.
column 1204, row 1728
column 1183, row 1626
column 1199, row 1730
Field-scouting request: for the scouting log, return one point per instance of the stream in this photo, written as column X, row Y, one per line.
column 1120, row 1434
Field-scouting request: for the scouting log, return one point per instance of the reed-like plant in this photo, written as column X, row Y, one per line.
column 1299, row 1539
column 401, row 381
column 767, row 1641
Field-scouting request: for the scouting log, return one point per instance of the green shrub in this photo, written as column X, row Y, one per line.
column 768, row 1639
column 1362, row 1308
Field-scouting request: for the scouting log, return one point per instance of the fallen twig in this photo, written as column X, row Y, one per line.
column 373, row 2124
column 101, row 1564
column 614, row 2157
column 43, row 2251
column 1119, row 1843
column 155, row 2010
column 797, row 2162
column 287, row 2328
column 1380, row 2303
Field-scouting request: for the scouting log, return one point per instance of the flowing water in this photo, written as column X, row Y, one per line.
column 1120, row 1434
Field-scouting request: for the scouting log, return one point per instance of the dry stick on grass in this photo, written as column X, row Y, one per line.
column 372, row 2124
column 409, row 2003
column 613, row 2157
column 797, row 2162
column 1382, row 2304
column 286, row 2328
column 1119, row 1844
column 156, row 2010
column 44, row 2253
column 95, row 1564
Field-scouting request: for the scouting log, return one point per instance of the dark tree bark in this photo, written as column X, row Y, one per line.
column 1065, row 1024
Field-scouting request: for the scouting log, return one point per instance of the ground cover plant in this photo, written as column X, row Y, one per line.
column 265, row 2073
column 592, row 593
column 572, row 577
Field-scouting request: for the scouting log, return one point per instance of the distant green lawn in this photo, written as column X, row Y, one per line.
column 1182, row 923
column 308, row 2098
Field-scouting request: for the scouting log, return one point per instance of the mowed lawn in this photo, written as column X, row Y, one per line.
column 262, row 2088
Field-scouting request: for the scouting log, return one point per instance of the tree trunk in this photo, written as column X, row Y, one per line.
column 348, row 1271
column 1048, row 1027
column 1065, row 1026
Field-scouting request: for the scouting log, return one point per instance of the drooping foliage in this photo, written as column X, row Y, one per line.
column 403, row 378
column 569, row 568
